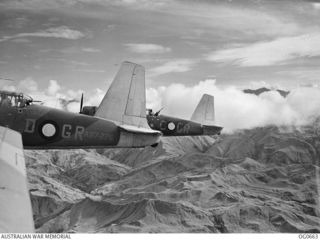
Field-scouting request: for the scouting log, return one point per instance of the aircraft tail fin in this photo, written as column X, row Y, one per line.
column 204, row 112
column 125, row 100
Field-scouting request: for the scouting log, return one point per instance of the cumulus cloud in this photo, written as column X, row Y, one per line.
column 316, row 5
column 278, row 51
column 147, row 48
column 49, row 96
column 54, row 32
column 28, row 85
column 54, row 95
column 53, row 87
column 173, row 66
column 235, row 109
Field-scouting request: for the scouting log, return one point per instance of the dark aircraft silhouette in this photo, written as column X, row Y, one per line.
column 120, row 120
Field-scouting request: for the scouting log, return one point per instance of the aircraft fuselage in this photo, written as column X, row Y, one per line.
column 43, row 127
column 171, row 126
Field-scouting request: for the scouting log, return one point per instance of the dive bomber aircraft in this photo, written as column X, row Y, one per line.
column 120, row 120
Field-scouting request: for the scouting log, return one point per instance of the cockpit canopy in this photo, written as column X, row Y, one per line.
column 14, row 99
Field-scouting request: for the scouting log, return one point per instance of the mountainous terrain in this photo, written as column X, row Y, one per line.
column 260, row 180
column 264, row 89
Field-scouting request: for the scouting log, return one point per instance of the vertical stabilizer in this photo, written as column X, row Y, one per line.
column 204, row 112
column 125, row 100
column 15, row 205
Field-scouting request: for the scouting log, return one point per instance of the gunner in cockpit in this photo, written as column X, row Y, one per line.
column 150, row 112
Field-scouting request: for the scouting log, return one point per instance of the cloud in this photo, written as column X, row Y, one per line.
column 20, row 40
column 68, row 61
column 88, row 70
column 303, row 74
column 241, row 17
column 173, row 66
column 28, row 85
column 278, row 51
column 58, row 4
column 18, row 22
column 91, row 50
column 53, row 87
column 245, row 16
column 235, row 109
column 316, row 5
column 55, row 96
column 95, row 97
column 55, row 32
column 147, row 48
column 9, row 88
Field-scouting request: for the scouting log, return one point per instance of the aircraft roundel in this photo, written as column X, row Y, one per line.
column 48, row 129
column 171, row 126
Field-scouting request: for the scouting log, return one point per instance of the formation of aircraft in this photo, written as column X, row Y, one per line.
column 121, row 119
column 201, row 123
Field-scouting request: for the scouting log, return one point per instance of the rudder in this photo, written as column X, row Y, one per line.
column 125, row 100
column 204, row 112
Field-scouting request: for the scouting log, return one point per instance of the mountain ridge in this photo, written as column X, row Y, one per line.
column 257, row 180
column 261, row 90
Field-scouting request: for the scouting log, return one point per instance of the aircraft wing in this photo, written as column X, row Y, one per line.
column 211, row 130
column 15, row 205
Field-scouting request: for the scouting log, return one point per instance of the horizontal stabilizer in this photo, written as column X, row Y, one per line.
column 125, row 100
column 134, row 129
column 204, row 112
column 211, row 130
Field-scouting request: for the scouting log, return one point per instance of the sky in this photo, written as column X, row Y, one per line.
column 61, row 48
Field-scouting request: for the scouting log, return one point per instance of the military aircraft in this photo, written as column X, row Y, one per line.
column 119, row 121
column 15, row 205
column 202, row 120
